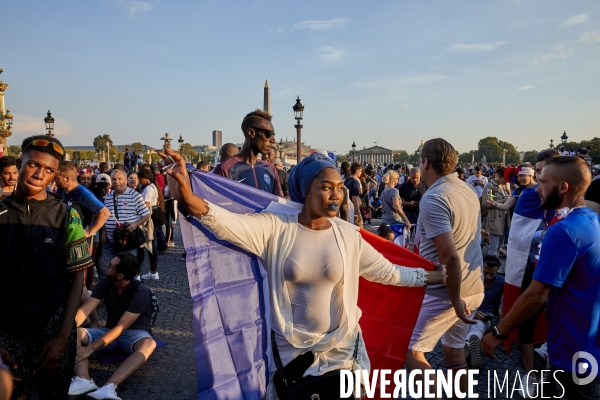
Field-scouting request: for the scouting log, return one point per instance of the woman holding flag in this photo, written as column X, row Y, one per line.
column 313, row 262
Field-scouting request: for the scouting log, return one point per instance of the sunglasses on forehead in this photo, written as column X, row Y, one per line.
column 268, row 134
column 44, row 143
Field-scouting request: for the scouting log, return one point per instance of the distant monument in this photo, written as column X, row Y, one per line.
column 267, row 105
column 217, row 138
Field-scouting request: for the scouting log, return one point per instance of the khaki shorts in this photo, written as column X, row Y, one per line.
column 437, row 319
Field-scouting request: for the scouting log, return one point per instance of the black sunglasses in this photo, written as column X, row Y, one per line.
column 268, row 134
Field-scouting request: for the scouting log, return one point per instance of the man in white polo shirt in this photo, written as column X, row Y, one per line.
column 131, row 209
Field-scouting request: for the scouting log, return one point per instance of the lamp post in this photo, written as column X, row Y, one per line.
column 181, row 141
column 504, row 156
column 298, row 110
column 6, row 119
column 564, row 138
column 551, row 143
column 49, row 120
column 108, row 151
column 281, row 149
column 418, row 151
column 353, row 152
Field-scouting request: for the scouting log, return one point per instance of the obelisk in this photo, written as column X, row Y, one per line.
column 267, row 105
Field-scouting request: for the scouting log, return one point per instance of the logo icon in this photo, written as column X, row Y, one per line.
column 267, row 179
column 70, row 203
column 583, row 363
column 48, row 240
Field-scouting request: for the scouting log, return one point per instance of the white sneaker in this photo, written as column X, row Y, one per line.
column 81, row 386
column 531, row 391
column 105, row 392
column 150, row 275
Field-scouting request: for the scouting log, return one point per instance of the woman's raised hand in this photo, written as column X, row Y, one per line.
column 179, row 183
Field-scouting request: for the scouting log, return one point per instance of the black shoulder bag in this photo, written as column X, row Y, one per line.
column 124, row 240
column 290, row 383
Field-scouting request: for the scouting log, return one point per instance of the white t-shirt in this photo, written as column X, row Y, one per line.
column 150, row 195
column 140, row 158
column 477, row 183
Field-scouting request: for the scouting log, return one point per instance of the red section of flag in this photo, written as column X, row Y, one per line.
column 511, row 294
column 389, row 313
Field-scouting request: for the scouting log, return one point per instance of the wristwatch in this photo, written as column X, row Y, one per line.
column 496, row 333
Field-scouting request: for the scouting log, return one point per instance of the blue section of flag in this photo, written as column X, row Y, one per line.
column 528, row 204
column 230, row 330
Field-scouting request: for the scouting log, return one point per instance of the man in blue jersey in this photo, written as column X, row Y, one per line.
column 245, row 166
column 568, row 277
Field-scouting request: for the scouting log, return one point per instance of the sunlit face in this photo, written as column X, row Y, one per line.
column 325, row 194
column 415, row 178
column 133, row 181
column 549, row 189
column 119, row 182
column 85, row 180
column 390, row 237
column 478, row 173
column 60, row 180
column 9, row 176
column 258, row 134
column 37, row 172
column 525, row 180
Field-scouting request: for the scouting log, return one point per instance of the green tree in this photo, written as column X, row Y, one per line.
column 512, row 155
column 340, row 158
column 14, row 150
column 188, row 152
column 466, row 157
column 100, row 143
column 136, row 146
column 530, row 156
column 490, row 149
column 400, row 156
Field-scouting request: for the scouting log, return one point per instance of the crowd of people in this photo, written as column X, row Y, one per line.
column 91, row 228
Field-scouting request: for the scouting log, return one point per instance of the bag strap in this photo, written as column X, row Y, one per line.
column 115, row 211
column 277, row 358
column 279, row 364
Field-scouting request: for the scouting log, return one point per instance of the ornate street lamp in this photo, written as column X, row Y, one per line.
column 108, row 151
column 167, row 141
column 298, row 110
column 504, row 156
column 181, row 141
column 49, row 120
column 8, row 117
column 353, row 152
column 281, row 149
column 551, row 143
column 564, row 138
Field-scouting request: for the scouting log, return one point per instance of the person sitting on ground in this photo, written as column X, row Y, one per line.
column 493, row 285
column 8, row 175
column 376, row 206
column 386, row 232
column 128, row 327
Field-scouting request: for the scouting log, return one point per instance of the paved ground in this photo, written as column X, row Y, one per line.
column 171, row 371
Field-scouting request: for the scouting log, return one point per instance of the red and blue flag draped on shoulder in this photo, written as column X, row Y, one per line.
column 228, row 287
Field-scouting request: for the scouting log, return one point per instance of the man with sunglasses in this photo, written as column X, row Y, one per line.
column 245, row 166
column 44, row 253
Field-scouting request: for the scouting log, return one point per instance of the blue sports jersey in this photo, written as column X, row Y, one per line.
column 570, row 263
column 261, row 175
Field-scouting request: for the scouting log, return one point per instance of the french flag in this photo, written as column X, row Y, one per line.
column 231, row 310
column 527, row 219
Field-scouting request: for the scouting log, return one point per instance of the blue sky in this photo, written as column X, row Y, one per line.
column 394, row 72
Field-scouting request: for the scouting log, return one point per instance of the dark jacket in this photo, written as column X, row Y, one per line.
column 33, row 278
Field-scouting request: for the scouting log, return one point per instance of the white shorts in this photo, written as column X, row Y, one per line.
column 437, row 319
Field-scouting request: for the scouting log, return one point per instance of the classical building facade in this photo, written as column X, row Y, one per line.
column 373, row 155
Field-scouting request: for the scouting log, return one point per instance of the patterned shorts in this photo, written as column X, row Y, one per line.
column 52, row 384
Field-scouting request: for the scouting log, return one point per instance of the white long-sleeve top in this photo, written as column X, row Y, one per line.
column 271, row 237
